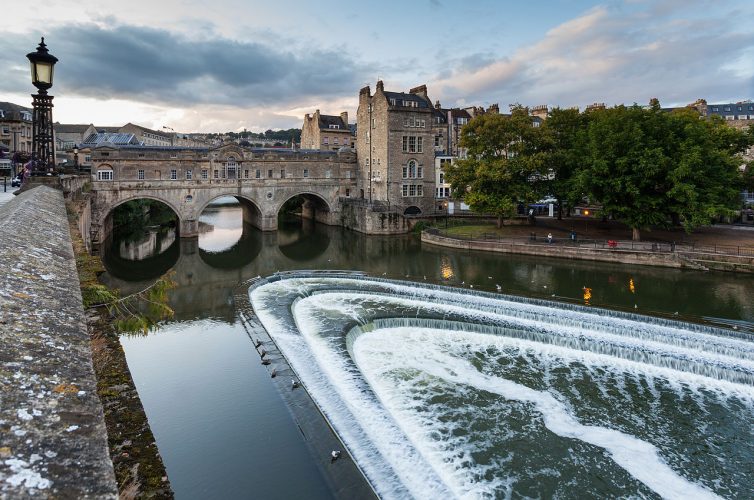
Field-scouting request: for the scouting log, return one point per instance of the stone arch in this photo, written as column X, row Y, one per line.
column 308, row 195
column 102, row 220
column 412, row 210
column 250, row 209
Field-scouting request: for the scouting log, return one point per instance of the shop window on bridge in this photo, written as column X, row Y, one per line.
column 140, row 175
column 189, row 175
column 173, row 174
column 348, row 193
column 258, row 174
column 282, row 173
column 245, row 174
column 306, row 172
column 216, row 174
column 327, row 174
column 105, row 174
column 205, row 174
column 269, row 174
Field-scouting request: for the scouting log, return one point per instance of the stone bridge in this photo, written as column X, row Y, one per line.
column 187, row 180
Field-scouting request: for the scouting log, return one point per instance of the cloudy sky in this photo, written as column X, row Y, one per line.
column 219, row 65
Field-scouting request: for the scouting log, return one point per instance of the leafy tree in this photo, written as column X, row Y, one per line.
column 647, row 166
column 704, row 179
column 503, row 164
column 565, row 137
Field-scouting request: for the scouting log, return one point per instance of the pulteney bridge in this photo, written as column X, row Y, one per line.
column 188, row 179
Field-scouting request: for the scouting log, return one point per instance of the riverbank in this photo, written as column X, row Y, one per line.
column 139, row 470
column 705, row 258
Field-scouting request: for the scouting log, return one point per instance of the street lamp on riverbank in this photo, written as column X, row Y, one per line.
column 43, row 147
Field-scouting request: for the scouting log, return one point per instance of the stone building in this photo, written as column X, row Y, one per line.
column 15, row 127
column 395, row 149
column 146, row 136
column 326, row 132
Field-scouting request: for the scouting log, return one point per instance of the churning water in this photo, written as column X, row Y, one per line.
column 445, row 393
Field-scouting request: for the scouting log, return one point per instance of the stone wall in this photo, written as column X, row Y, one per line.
column 362, row 219
column 53, row 441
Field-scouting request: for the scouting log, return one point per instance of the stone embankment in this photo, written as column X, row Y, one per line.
column 679, row 258
column 53, row 441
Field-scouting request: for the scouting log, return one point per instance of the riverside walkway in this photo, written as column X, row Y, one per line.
column 702, row 256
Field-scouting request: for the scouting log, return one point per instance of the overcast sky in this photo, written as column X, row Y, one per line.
column 198, row 65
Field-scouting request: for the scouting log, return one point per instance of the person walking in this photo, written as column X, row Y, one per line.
column 549, row 237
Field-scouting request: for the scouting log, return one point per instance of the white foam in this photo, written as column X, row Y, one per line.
column 639, row 458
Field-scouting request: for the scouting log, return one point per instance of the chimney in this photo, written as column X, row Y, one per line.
column 437, row 104
column 420, row 90
column 365, row 91
column 380, row 87
column 344, row 117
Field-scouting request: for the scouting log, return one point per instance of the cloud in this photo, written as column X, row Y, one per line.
column 161, row 67
column 617, row 55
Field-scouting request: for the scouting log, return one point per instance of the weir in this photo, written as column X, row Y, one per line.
column 472, row 382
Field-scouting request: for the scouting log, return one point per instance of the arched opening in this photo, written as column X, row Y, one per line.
column 228, row 234
column 141, row 239
column 412, row 210
column 305, row 206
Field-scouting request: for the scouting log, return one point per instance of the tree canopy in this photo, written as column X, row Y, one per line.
column 645, row 166
column 503, row 164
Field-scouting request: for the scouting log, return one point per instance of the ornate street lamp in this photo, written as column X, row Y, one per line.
column 43, row 147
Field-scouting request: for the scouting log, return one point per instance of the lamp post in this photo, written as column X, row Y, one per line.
column 43, row 148
column 445, row 206
column 76, row 158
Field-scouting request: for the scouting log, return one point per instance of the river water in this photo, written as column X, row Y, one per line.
column 224, row 431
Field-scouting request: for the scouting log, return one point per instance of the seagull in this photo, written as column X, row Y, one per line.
column 273, row 373
column 425, row 277
column 384, row 274
column 471, row 286
column 498, row 287
column 257, row 343
column 675, row 313
column 294, row 384
column 636, row 306
column 545, row 286
column 262, row 353
column 335, row 454
column 463, row 283
column 489, row 277
column 553, row 295
column 407, row 276
column 265, row 362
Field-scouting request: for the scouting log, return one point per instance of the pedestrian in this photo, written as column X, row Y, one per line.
column 549, row 237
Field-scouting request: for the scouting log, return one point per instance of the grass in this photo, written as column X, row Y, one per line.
column 476, row 230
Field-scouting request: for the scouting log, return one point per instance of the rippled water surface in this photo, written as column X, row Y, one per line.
column 440, row 393
column 218, row 420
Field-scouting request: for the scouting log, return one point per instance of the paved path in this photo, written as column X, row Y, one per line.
column 6, row 196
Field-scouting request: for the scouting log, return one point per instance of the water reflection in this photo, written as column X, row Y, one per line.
column 143, row 255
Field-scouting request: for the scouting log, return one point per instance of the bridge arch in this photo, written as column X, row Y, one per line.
column 314, row 206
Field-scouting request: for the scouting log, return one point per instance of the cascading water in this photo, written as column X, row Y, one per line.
column 439, row 392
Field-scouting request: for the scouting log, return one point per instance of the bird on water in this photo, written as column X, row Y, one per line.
column 334, row 455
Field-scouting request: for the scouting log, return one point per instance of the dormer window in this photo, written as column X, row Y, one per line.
column 335, row 127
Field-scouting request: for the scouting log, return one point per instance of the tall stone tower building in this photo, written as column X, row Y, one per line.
column 395, row 149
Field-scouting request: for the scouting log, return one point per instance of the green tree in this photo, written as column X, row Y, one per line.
column 704, row 178
column 565, row 138
column 503, row 164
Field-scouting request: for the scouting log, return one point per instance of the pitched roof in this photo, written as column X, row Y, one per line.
column 402, row 96
column 70, row 128
column 9, row 106
column 326, row 120
column 115, row 139
column 145, row 129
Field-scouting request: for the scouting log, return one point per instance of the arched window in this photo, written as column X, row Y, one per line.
column 412, row 170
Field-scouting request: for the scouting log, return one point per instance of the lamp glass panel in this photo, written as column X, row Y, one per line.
column 44, row 72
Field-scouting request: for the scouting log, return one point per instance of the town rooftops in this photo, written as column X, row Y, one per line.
column 70, row 128
column 325, row 122
column 10, row 111
column 115, row 139
column 407, row 100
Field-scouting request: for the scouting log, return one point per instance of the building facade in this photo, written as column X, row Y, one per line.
column 15, row 127
column 395, row 149
column 326, row 132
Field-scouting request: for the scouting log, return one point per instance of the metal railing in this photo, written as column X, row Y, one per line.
column 636, row 246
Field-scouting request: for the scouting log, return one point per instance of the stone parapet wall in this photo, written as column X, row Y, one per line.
column 53, row 442
column 560, row 251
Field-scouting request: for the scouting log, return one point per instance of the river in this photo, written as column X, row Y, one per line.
column 221, row 426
